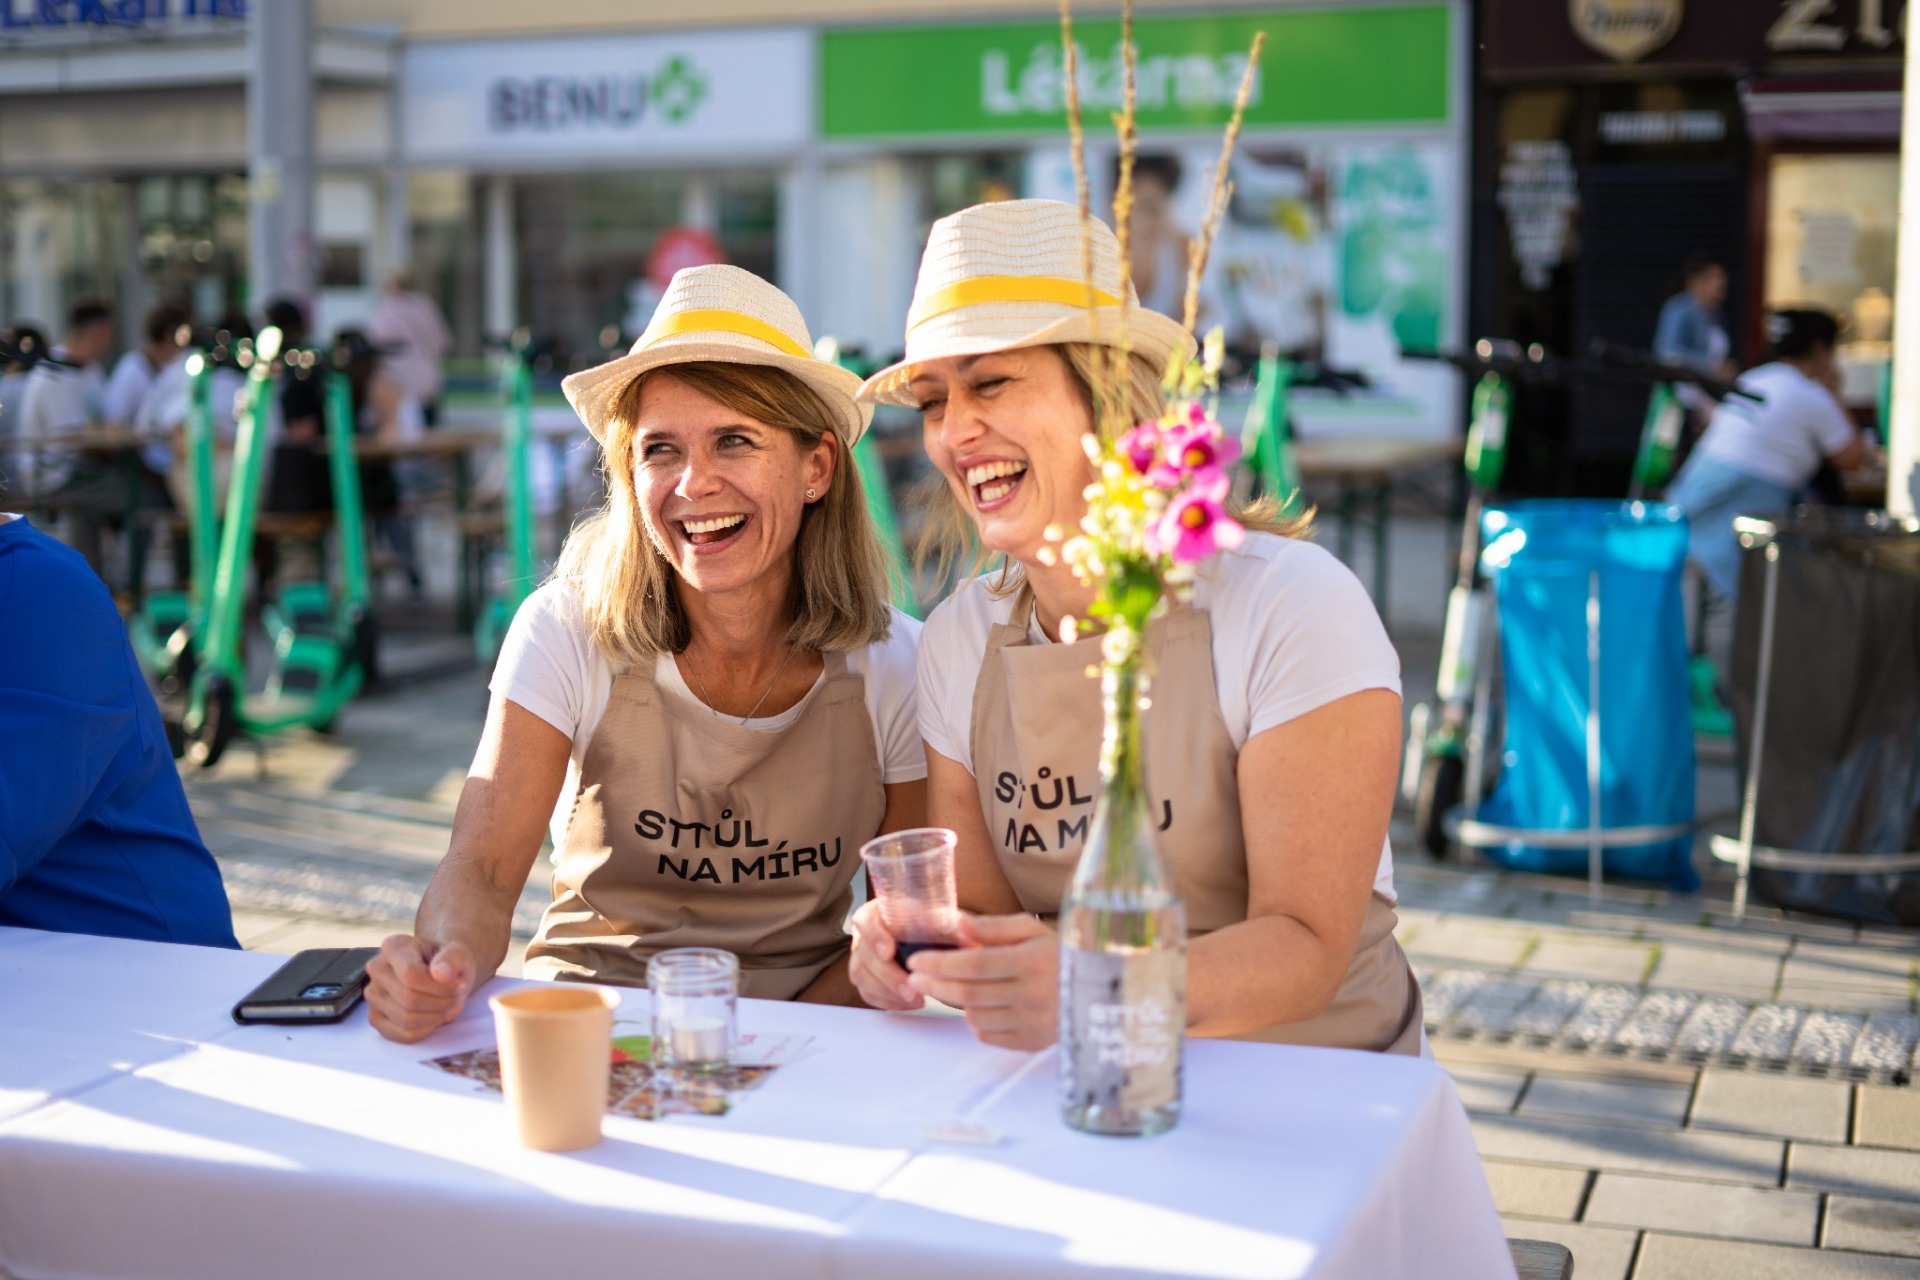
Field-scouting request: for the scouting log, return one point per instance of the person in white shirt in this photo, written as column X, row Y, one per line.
column 166, row 328
column 23, row 345
column 64, row 394
column 1273, row 737
column 414, row 341
column 1756, row 458
column 711, row 702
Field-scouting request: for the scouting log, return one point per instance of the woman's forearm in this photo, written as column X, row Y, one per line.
column 1257, row 973
column 464, row 903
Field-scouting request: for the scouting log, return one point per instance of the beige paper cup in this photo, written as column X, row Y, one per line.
column 556, row 1044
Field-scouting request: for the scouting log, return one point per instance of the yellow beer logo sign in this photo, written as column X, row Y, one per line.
column 1625, row 30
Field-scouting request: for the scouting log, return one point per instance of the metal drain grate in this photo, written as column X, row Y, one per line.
column 1612, row 1020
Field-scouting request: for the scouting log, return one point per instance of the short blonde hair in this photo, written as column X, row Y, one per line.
column 628, row 589
column 948, row 539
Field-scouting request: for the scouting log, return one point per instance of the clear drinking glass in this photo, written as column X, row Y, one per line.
column 695, row 994
column 911, row 873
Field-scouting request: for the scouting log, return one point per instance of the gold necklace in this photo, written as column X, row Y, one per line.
column 708, row 698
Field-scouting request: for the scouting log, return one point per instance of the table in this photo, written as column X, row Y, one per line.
column 141, row 1134
column 1366, row 468
column 119, row 446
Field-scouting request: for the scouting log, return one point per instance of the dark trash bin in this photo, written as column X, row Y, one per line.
column 1839, row 761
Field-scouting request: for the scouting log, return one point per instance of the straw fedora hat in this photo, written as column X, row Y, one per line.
column 1009, row 274
column 723, row 314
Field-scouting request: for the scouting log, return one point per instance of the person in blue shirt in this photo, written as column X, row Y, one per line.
column 1691, row 332
column 95, row 833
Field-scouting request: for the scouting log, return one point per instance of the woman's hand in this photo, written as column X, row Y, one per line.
column 417, row 983
column 880, row 982
column 414, row 988
column 1005, row 977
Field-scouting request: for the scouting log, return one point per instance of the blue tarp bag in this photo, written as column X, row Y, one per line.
column 1542, row 557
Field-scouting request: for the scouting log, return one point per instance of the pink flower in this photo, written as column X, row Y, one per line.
column 1196, row 524
column 1201, row 446
column 1141, row 446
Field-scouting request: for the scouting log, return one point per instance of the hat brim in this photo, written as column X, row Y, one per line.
column 595, row 393
column 1149, row 334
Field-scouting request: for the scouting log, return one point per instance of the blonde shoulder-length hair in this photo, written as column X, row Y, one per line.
column 628, row 589
column 947, row 539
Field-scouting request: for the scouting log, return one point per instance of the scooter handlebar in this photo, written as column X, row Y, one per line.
column 1650, row 368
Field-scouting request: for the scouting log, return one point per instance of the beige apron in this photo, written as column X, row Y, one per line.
column 695, row 831
column 1036, row 755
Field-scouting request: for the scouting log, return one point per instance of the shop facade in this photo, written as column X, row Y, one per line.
column 1343, row 241
column 123, row 161
column 552, row 178
column 1614, row 142
column 556, row 183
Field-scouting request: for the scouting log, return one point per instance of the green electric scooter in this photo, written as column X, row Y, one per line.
column 323, row 649
column 161, row 628
column 1433, row 777
column 1440, row 736
column 516, row 442
column 1268, row 466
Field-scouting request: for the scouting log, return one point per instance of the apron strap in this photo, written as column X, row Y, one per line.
column 1021, row 619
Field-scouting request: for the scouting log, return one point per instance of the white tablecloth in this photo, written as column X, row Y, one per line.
column 143, row 1134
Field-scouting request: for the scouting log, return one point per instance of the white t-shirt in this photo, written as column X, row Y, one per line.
column 1293, row 630
column 550, row 666
column 1784, row 439
column 58, row 398
column 127, row 386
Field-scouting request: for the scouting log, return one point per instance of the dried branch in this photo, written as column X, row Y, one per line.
column 1202, row 244
column 1126, row 126
column 1078, row 139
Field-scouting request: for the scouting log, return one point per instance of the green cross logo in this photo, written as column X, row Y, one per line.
column 678, row 89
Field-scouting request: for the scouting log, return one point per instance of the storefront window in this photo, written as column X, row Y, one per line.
column 955, row 182
column 444, row 246
column 1830, row 243
column 193, row 241
column 132, row 240
column 585, row 242
column 61, row 239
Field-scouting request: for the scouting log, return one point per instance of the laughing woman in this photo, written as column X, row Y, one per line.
column 1273, row 737
column 712, row 687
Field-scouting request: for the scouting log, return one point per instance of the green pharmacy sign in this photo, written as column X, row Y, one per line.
column 1365, row 65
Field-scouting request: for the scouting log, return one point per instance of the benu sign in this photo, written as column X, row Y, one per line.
column 619, row 96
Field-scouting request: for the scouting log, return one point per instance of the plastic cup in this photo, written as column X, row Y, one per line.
column 696, row 994
column 911, row 873
column 556, row 1047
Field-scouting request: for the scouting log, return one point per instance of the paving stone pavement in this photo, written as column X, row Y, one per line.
column 1666, row 1091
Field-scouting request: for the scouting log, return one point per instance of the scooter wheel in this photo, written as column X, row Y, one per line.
column 1442, row 781
column 209, row 742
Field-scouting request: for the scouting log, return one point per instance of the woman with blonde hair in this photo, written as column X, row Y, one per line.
column 1273, row 735
column 712, row 686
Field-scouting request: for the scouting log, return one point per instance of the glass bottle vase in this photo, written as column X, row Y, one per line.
column 1123, row 944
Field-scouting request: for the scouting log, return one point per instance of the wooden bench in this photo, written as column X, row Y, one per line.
column 1541, row 1260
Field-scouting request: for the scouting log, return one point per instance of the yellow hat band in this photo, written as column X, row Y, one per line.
column 979, row 289
column 719, row 321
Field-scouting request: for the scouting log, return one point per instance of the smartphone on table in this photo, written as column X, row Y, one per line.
column 320, row 985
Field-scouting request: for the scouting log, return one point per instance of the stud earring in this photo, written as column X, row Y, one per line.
column 810, row 495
